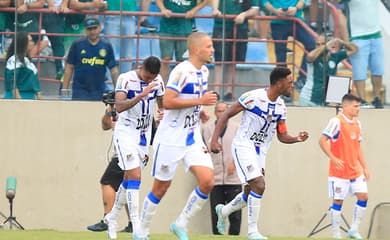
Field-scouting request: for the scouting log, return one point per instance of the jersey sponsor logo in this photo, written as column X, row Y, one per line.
column 92, row 61
column 143, row 122
column 182, row 2
column 258, row 137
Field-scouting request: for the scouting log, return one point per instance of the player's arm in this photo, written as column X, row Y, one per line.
column 284, row 137
column 160, row 110
column 233, row 110
column 122, row 103
column 171, row 100
column 325, row 147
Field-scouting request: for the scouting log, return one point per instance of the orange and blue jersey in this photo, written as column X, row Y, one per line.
column 345, row 137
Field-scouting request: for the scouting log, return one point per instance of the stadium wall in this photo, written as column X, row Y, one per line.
column 58, row 152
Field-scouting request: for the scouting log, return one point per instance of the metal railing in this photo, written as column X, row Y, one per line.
column 138, row 37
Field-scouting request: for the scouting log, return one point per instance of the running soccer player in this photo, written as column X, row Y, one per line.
column 135, row 96
column 178, row 137
column 264, row 113
column 348, row 171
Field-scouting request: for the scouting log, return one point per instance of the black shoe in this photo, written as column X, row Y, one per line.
column 377, row 103
column 98, row 227
column 148, row 26
column 365, row 105
column 128, row 228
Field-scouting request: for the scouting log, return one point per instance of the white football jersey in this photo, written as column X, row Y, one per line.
column 259, row 120
column 180, row 127
column 137, row 121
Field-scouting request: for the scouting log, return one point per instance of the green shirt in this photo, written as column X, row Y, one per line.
column 330, row 68
column 127, row 5
column 174, row 25
column 234, row 7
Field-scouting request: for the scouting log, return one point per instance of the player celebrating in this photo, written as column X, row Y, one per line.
column 178, row 136
column 135, row 96
column 264, row 112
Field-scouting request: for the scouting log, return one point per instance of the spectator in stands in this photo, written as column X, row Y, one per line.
column 74, row 22
column 263, row 26
column 282, row 29
column 19, row 68
column 224, row 28
column 364, row 24
column 322, row 63
column 226, row 182
column 55, row 23
column 119, row 29
column 3, row 16
column 144, row 23
column 28, row 21
column 175, row 27
column 87, row 61
column 342, row 20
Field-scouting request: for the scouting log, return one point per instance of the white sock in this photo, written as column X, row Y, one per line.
column 254, row 204
column 335, row 220
column 358, row 212
column 195, row 202
column 120, row 201
column 132, row 197
column 239, row 201
column 147, row 212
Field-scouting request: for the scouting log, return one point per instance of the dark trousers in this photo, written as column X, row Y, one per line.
column 222, row 194
column 282, row 32
column 55, row 23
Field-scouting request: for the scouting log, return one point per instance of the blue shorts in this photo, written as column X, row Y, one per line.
column 370, row 56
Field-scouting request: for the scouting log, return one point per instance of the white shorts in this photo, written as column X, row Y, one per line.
column 249, row 163
column 339, row 188
column 130, row 154
column 167, row 157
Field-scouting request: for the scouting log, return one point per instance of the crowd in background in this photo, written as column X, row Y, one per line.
column 319, row 16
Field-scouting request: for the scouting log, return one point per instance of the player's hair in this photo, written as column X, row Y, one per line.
column 152, row 65
column 194, row 39
column 350, row 98
column 278, row 73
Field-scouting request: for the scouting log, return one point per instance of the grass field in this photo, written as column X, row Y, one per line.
column 56, row 235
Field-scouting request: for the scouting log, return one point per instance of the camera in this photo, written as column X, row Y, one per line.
column 109, row 97
column 285, row 9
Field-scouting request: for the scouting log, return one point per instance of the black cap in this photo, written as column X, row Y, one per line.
column 91, row 22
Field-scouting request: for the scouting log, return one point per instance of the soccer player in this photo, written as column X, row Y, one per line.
column 135, row 96
column 348, row 171
column 178, row 137
column 264, row 113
